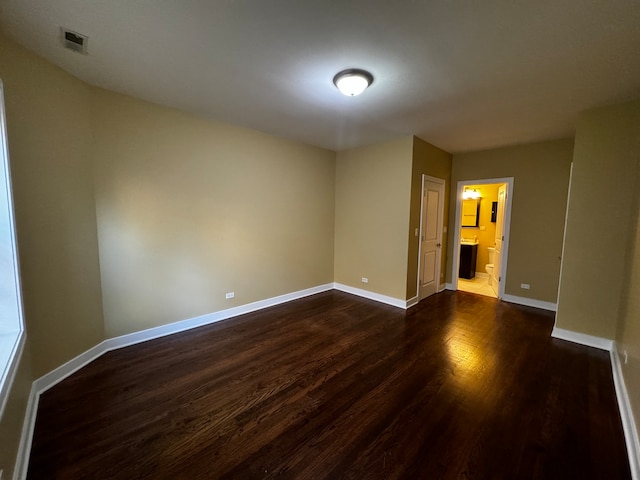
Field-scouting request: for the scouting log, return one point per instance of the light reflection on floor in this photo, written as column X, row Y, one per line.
column 471, row 358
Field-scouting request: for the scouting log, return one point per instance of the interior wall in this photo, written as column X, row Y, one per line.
column 189, row 209
column 628, row 332
column 427, row 160
column 48, row 123
column 604, row 181
column 541, row 180
column 373, row 188
column 49, row 139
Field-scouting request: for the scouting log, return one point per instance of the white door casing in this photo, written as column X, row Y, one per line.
column 497, row 260
column 454, row 240
column 432, row 211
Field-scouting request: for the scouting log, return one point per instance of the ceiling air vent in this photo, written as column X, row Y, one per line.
column 74, row 41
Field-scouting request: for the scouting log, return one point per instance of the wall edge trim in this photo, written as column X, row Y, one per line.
column 626, row 414
column 195, row 322
column 530, row 302
column 48, row 380
column 582, row 339
column 412, row 301
column 28, row 426
column 378, row 297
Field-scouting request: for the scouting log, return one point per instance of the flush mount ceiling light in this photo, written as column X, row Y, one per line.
column 353, row 81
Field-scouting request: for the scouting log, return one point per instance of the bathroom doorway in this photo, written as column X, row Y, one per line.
column 481, row 235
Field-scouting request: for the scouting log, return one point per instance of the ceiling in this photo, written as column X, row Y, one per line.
column 462, row 74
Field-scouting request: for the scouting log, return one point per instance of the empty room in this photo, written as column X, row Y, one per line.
column 320, row 240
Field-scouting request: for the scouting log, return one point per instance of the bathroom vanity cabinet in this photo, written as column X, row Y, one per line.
column 468, row 255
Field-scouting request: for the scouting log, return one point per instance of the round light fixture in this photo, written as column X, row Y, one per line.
column 353, row 81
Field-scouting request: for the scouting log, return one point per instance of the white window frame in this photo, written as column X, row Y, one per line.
column 12, row 332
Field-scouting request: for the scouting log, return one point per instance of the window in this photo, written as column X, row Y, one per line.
column 11, row 321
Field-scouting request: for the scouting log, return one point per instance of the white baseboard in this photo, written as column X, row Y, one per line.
column 626, row 414
column 29, row 424
column 50, row 379
column 482, row 274
column 183, row 325
column 378, row 297
column 55, row 376
column 530, row 302
column 442, row 287
column 582, row 339
column 412, row 301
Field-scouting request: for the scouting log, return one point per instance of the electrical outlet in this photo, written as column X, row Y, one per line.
column 230, row 295
column 525, row 286
column 626, row 357
column 365, row 280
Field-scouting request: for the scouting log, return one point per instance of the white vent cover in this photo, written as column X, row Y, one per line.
column 74, row 41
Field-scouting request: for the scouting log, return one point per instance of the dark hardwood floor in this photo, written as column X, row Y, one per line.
column 337, row 387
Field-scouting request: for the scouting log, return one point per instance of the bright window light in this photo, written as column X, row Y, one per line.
column 11, row 321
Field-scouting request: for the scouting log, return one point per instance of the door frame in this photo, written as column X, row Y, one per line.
column 439, row 284
column 455, row 251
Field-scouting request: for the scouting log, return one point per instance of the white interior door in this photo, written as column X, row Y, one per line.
column 497, row 261
column 430, row 236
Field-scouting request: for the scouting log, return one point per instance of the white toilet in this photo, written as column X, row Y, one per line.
column 489, row 266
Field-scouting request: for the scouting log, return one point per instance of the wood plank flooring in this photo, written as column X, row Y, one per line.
column 333, row 386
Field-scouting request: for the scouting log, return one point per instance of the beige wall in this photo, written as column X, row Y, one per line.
column 602, row 188
column 190, row 209
column 373, row 186
column 541, row 178
column 628, row 332
column 427, row 160
column 605, row 192
column 49, row 146
column 486, row 237
column 48, row 122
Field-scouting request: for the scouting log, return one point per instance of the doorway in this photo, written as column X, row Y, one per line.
column 481, row 242
column 430, row 244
